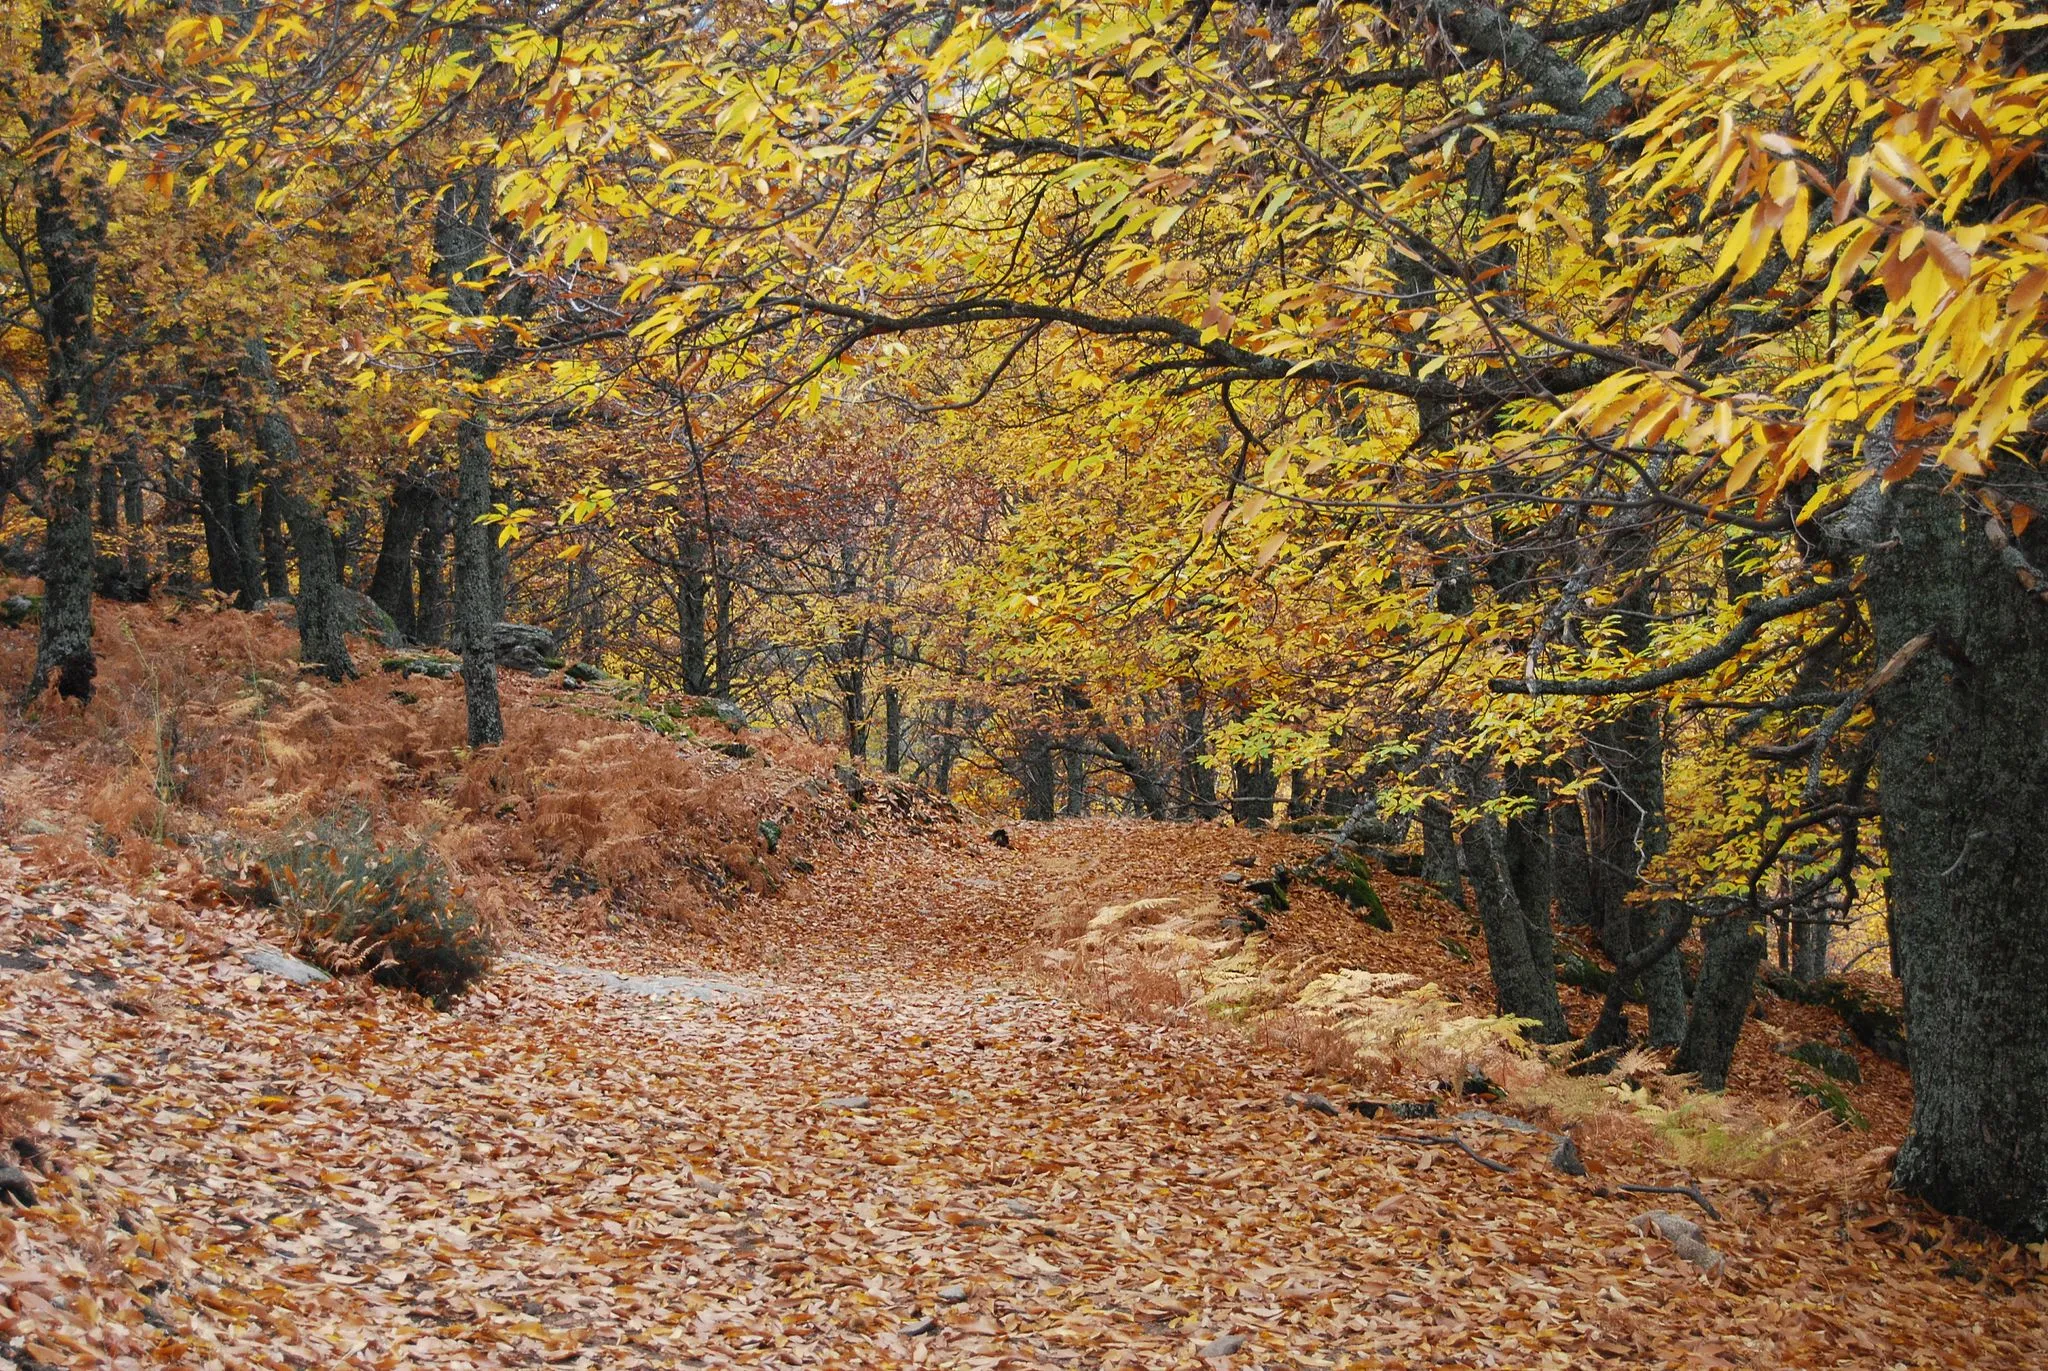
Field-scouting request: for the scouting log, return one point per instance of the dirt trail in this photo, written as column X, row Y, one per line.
column 894, row 1144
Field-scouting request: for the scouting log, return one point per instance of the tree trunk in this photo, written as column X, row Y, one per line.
column 1077, row 782
column 722, row 637
column 1810, row 930
column 391, row 583
column 1440, row 852
column 61, row 449
column 461, row 242
column 1035, row 770
column 1518, row 943
column 277, row 568
column 1963, row 788
column 430, row 615
column 1570, row 874
column 1197, row 781
column 1252, row 788
column 323, row 620
column 1525, row 841
column 475, row 622
column 1720, row 1003
column 246, row 520
column 216, row 493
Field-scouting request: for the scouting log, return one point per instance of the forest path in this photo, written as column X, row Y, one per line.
column 895, row 1144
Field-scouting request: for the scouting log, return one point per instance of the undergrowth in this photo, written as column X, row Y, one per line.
column 357, row 906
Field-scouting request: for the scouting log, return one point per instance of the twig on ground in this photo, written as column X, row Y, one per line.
column 1425, row 1140
column 1691, row 1192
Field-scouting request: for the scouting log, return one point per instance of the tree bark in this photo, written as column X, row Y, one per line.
column 1570, row 874
column 430, row 616
column 61, row 449
column 1035, row 770
column 1440, row 852
column 1735, row 948
column 1077, row 783
column 1252, row 788
column 1963, row 787
column 461, row 241
column 475, row 620
column 323, row 619
column 1518, row 942
column 277, row 570
column 1197, row 781
column 391, row 582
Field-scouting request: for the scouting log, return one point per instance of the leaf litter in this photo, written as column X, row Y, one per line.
column 240, row 1171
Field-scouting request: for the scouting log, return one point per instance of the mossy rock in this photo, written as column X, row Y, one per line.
column 1826, row 1057
column 1350, row 880
column 440, row 668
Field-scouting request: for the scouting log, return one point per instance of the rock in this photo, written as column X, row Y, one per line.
column 850, row 781
column 586, row 673
column 16, row 610
column 845, row 1102
column 953, row 1294
column 524, row 647
column 1565, row 1157
column 1248, row 859
column 370, row 617
column 41, row 828
column 727, row 712
column 739, row 752
column 1687, row 1239
column 1020, row 1209
column 16, row 1186
column 421, row 664
column 272, row 962
column 1399, row 1109
column 1233, row 878
column 1836, row 1062
column 920, row 1328
column 1314, row 1103
column 1225, row 1346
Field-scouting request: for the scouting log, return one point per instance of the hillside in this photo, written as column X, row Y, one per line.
column 890, row 1094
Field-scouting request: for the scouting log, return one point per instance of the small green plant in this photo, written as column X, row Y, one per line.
column 359, row 906
column 1829, row 1094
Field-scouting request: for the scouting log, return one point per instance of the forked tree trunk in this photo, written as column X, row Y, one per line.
column 1735, row 949
column 1963, row 791
column 323, row 618
column 1518, row 942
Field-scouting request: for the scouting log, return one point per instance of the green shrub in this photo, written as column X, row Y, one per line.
column 359, row 906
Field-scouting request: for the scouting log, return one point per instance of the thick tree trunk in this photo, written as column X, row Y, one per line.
column 246, row 519
column 61, row 449
column 1440, row 852
column 1720, row 1003
column 476, row 622
column 1197, row 781
column 430, row 617
column 277, row 564
column 1625, row 828
column 1810, row 935
column 1526, row 841
column 1252, row 788
column 323, row 619
column 1077, row 782
column 691, row 594
column 1571, row 876
column 216, row 494
column 1035, row 771
column 1663, row 982
column 1518, row 942
column 1963, row 790
column 65, row 646
column 391, row 582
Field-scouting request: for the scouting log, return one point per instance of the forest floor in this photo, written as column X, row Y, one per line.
column 879, row 1129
